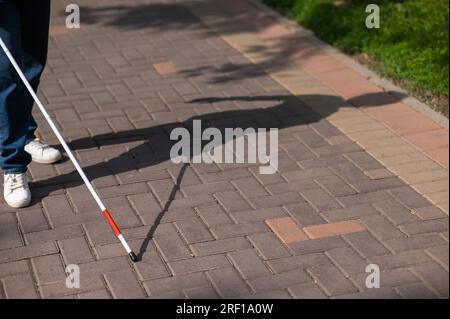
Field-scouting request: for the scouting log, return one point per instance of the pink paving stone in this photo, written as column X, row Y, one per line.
column 440, row 155
column 429, row 140
column 165, row 68
column 401, row 119
column 320, row 65
column 274, row 31
column 57, row 30
column 341, row 77
column 286, row 229
column 334, row 229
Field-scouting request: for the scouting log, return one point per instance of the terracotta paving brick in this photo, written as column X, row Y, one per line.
column 325, row 64
column 406, row 121
column 165, row 68
column 440, row 155
column 334, row 229
column 286, row 229
column 384, row 112
column 355, row 88
column 273, row 31
column 56, row 30
column 429, row 140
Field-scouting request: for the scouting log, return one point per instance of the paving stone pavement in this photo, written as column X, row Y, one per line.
column 117, row 87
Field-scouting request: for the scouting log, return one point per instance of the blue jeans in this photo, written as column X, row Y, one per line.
column 24, row 28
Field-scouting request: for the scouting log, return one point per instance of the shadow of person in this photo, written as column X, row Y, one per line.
column 285, row 111
column 281, row 112
column 275, row 111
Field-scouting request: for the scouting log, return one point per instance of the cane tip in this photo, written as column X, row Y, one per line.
column 133, row 256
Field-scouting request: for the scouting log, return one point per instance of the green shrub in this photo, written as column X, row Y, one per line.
column 411, row 44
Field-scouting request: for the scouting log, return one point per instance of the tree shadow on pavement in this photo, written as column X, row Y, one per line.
column 176, row 23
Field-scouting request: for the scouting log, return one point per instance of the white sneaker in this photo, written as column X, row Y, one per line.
column 16, row 191
column 42, row 153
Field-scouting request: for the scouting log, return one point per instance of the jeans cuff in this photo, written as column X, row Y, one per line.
column 15, row 170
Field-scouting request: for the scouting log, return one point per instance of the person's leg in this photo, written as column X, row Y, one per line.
column 35, row 17
column 15, row 106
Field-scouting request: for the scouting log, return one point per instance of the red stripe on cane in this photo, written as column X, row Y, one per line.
column 112, row 222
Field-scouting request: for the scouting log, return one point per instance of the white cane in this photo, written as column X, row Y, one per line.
column 86, row 181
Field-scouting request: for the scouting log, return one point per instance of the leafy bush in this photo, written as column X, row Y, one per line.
column 411, row 44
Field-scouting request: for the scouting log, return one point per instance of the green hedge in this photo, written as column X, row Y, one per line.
column 411, row 44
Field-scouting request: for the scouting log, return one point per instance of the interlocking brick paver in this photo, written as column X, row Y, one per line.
column 395, row 212
column 232, row 201
column 388, row 278
column 123, row 284
column 233, row 230
column 320, row 199
column 286, row 229
column 193, row 230
column 440, row 255
column 307, row 291
column 33, row 221
column 48, row 269
column 249, row 264
column 198, row 264
column 301, row 261
column 348, row 151
column 409, row 197
column 250, row 216
column 269, row 246
column 10, row 236
column 228, row 283
column 401, row 259
column 427, row 226
column 317, row 245
column 296, row 186
column 95, row 294
column 25, row 252
column 99, row 233
column 104, row 266
column 165, row 68
column 20, row 287
column 333, row 229
column 151, row 265
column 14, row 268
column 366, row 244
column 419, row 241
column 429, row 212
column 278, row 281
column 158, row 286
column 335, row 186
column 220, row 246
column 381, row 227
column 304, row 214
column 170, row 244
column 364, row 198
column 205, row 292
column 431, row 273
column 75, row 250
column 347, row 259
column 379, row 293
column 415, row 291
column 332, row 280
column 60, row 233
column 214, row 215
column 352, row 212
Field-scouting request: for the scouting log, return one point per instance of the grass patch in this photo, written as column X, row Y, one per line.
column 411, row 46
